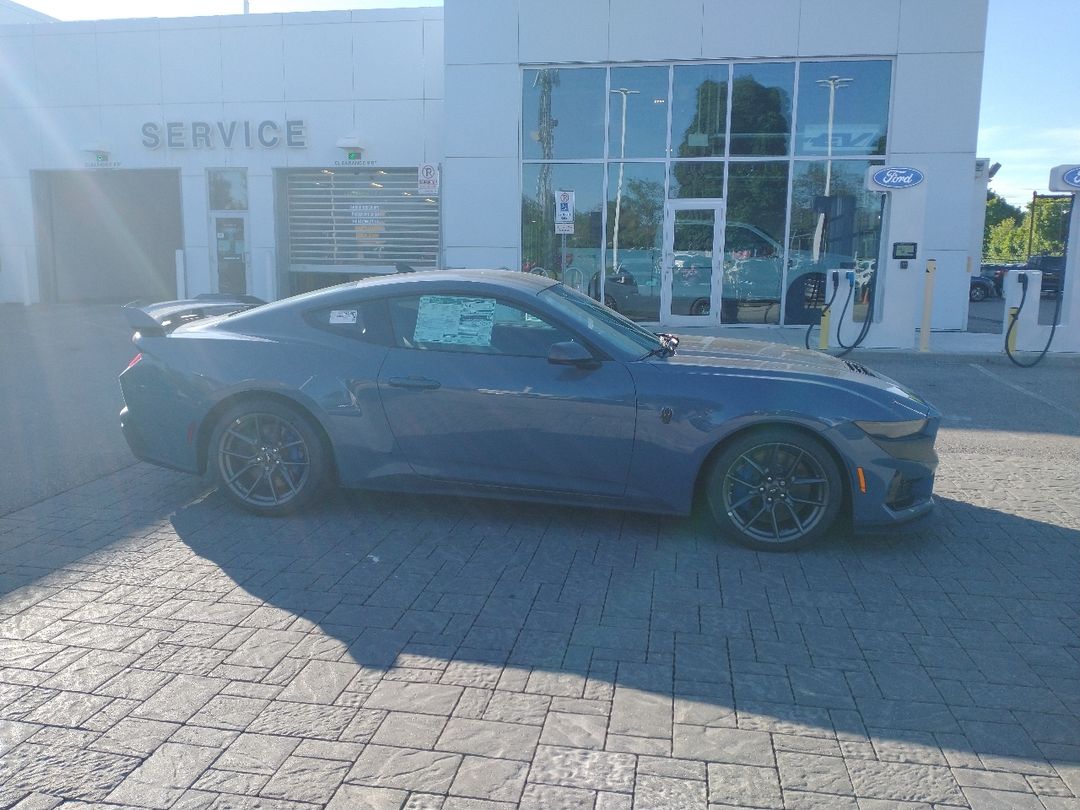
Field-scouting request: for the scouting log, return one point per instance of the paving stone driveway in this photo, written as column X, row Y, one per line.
column 160, row 650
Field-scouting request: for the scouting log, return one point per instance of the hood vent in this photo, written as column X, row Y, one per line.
column 858, row 368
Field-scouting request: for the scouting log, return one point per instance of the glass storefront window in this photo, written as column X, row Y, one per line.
column 563, row 114
column 572, row 258
column 643, row 93
column 632, row 277
column 859, row 92
column 838, row 231
column 696, row 179
column 753, row 242
column 745, row 132
column 699, row 110
column 228, row 189
column 761, row 108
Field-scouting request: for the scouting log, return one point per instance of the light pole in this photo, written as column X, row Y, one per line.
column 624, row 92
column 833, row 83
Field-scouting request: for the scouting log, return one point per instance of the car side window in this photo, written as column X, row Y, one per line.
column 359, row 320
column 471, row 324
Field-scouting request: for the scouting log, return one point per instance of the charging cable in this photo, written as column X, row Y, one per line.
column 1014, row 317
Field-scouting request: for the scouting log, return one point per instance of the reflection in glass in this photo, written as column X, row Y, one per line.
column 753, row 242
column 637, row 110
column 632, row 280
column 860, row 108
column 692, row 273
column 696, row 180
column 699, row 110
column 563, row 114
column 572, row 258
column 836, row 231
column 761, row 108
column 228, row 189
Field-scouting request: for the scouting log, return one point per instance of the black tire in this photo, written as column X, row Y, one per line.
column 775, row 489
column 700, row 307
column 267, row 457
column 977, row 293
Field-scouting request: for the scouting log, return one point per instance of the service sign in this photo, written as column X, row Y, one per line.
column 893, row 178
column 1065, row 178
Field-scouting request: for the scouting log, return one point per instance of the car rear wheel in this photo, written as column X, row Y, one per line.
column 700, row 307
column 268, row 458
column 775, row 490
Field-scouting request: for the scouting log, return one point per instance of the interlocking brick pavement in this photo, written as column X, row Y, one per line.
column 159, row 649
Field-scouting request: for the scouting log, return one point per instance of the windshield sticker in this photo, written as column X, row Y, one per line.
column 343, row 316
column 460, row 321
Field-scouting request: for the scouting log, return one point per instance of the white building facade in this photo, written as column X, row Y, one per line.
column 687, row 162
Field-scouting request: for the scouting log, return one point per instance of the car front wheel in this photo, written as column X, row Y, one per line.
column 268, row 458
column 775, row 490
column 977, row 293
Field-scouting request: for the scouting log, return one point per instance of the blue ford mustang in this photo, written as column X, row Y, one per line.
column 510, row 385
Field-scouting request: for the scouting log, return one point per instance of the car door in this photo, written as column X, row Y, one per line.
column 470, row 396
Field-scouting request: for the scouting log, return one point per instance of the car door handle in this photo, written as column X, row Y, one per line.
column 416, row 383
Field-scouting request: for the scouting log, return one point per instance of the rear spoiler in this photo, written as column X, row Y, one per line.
column 162, row 318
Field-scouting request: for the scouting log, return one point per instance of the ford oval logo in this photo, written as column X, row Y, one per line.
column 898, row 177
column 1072, row 177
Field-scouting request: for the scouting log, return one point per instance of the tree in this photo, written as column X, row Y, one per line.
column 1009, row 235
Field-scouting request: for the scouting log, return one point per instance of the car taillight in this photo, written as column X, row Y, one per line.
column 134, row 360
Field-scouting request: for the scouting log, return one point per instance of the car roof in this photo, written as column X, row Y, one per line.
column 397, row 283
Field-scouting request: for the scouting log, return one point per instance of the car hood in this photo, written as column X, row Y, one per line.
column 730, row 354
column 735, row 353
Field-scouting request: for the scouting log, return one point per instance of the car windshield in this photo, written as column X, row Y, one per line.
column 594, row 318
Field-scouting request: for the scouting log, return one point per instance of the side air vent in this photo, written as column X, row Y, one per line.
column 858, row 368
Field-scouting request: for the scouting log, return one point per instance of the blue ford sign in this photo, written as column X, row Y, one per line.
column 893, row 177
column 1072, row 177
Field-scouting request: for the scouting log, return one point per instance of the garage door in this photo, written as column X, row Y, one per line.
column 358, row 221
column 109, row 235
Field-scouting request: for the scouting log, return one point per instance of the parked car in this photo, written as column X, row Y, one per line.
column 511, row 385
column 1051, row 267
column 981, row 288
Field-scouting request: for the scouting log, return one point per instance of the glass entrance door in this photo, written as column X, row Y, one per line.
column 231, row 256
column 692, row 272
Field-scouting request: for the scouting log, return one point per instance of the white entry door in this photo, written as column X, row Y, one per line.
column 693, row 269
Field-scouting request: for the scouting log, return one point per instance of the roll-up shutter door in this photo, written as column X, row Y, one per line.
column 367, row 221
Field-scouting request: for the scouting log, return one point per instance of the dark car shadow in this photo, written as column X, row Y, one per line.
column 955, row 634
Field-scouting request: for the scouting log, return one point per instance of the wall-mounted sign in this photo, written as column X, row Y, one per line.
column 897, row 177
column 427, row 179
column 224, row 134
column 1065, row 178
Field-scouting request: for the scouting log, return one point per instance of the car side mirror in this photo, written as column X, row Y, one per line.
column 569, row 353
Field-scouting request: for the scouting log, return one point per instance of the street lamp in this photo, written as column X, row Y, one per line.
column 624, row 92
column 833, row 83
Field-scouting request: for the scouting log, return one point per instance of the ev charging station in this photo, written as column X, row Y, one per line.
column 1027, row 334
column 903, row 276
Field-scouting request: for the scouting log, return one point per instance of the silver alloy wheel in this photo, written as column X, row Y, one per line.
column 263, row 460
column 775, row 492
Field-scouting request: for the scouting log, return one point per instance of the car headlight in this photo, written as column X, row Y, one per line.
column 893, row 430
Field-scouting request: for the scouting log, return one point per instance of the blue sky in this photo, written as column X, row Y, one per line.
column 1030, row 118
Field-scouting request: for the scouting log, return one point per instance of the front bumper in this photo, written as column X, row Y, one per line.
column 891, row 481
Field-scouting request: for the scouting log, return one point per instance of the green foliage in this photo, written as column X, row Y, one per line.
column 1009, row 236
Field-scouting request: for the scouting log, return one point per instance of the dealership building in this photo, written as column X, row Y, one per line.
column 688, row 161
